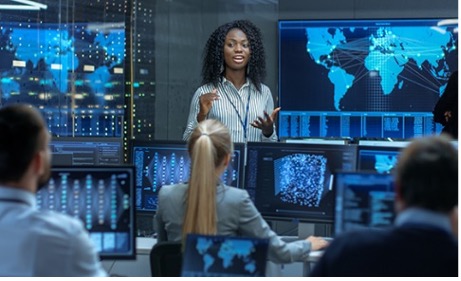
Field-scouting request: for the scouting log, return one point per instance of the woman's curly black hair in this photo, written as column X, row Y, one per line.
column 213, row 56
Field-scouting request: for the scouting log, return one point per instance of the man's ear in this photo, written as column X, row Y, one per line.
column 39, row 162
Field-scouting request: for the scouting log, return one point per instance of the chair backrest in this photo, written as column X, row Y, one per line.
column 166, row 259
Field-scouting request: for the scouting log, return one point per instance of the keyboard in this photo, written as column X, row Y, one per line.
column 288, row 239
column 328, row 239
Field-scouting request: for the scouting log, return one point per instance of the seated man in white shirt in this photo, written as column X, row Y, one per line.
column 33, row 242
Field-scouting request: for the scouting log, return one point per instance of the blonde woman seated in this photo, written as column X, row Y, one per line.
column 206, row 206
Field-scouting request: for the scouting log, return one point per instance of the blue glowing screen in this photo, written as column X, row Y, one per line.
column 363, row 78
column 73, row 72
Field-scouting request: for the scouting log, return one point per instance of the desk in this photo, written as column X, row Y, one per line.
column 141, row 266
column 314, row 257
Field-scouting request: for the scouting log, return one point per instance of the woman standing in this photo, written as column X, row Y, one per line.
column 232, row 91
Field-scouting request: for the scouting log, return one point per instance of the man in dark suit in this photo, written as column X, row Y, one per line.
column 422, row 242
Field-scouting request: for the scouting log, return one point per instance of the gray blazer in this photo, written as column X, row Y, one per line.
column 237, row 216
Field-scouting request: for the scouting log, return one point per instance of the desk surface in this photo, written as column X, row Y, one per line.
column 314, row 256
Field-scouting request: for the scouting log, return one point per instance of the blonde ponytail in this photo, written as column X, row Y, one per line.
column 208, row 146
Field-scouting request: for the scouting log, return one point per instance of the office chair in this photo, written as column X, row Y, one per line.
column 166, row 259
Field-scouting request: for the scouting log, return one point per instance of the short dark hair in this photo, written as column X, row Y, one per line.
column 213, row 56
column 427, row 174
column 21, row 128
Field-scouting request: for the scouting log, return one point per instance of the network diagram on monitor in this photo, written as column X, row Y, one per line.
column 363, row 78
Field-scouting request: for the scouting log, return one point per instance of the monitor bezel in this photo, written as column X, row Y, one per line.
column 304, row 218
column 378, row 147
column 90, row 139
column 336, row 193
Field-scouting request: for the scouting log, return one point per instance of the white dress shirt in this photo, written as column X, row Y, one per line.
column 236, row 109
column 42, row 243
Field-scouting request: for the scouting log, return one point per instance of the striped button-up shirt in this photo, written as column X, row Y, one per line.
column 236, row 109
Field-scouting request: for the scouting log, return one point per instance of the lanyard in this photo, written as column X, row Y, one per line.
column 243, row 122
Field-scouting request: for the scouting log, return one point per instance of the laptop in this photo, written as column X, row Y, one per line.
column 224, row 256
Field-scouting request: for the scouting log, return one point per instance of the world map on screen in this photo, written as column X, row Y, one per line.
column 228, row 251
column 73, row 72
column 60, row 51
column 385, row 52
column 224, row 256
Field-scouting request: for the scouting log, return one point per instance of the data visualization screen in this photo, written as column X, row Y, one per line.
column 379, row 156
column 294, row 181
column 363, row 78
column 363, row 200
column 67, row 151
column 72, row 71
column 224, row 256
column 102, row 198
column 160, row 163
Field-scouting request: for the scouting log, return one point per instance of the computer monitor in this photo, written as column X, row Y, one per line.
column 73, row 72
column 102, row 197
column 224, row 256
column 160, row 163
column 363, row 200
column 378, row 156
column 291, row 181
column 363, row 77
column 68, row 151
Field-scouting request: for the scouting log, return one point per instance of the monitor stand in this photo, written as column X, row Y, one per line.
column 301, row 230
column 317, row 229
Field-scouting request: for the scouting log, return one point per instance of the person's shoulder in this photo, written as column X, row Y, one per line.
column 174, row 188
column 264, row 90
column 205, row 88
column 52, row 223
column 264, row 86
column 233, row 192
column 231, row 189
